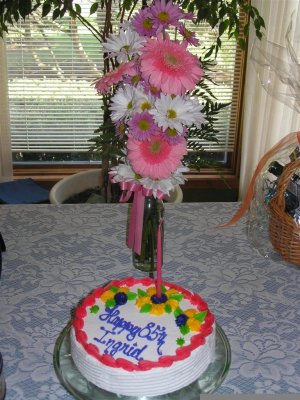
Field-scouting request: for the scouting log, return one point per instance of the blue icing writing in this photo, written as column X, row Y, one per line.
column 112, row 347
column 151, row 332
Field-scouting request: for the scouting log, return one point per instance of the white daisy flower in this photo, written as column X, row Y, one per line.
column 197, row 117
column 124, row 45
column 172, row 112
column 143, row 101
column 165, row 185
column 122, row 173
column 122, row 103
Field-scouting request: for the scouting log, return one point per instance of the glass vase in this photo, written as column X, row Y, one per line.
column 153, row 213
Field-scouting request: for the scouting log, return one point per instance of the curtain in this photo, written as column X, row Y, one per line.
column 6, row 171
column 266, row 119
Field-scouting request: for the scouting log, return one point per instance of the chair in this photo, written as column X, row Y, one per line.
column 81, row 181
column 23, row 191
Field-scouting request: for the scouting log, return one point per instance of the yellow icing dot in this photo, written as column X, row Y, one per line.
column 173, row 303
column 151, row 291
column 107, row 296
column 123, row 290
column 157, row 309
column 190, row 312
column 170, row 291
column 193, row 324
column 141, row 301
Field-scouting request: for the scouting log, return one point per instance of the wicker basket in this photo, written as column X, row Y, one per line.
column 283, row 230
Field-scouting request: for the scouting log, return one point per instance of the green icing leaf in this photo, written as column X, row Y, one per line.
column 176, row 296
column 180, row 342
column 168, row 309
column 201, row 316
column 110, row 303
column 131, row 295
column 163, row 289
column 94, row 309
column 141, row 293
column 184, row 329
column 146, row 308
column 114, row 289
column 178, row 311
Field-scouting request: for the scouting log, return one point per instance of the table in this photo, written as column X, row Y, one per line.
column 57, row 254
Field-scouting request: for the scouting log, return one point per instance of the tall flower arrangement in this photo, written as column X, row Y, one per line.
column 151, row 104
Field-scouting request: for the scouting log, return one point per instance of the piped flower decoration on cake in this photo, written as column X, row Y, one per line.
column 152, row 95
column 189, row 320
column 117, row 296
column 148, row 301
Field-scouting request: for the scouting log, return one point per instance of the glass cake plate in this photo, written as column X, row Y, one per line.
column 81, row 389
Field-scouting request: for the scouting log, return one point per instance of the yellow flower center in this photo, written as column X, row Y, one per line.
column 172, row 132
column 147, row 24
column 171, row 59
column 171, row 114
column 155, row 147
column 153, row 89
column 163, row 16
column 129, row 105
column 135, row 79
column 144, row 125
column 145, row 106
column 188, row 33
column 126, row 47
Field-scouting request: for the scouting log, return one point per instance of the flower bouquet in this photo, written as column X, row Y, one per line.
column 152, row 108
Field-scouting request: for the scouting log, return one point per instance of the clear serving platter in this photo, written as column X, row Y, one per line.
column 81, row 389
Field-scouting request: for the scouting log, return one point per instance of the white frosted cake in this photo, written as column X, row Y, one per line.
column 126, row 340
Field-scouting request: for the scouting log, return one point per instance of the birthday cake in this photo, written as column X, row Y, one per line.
column 127, row 340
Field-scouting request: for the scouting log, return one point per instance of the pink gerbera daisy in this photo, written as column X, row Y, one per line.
column 142, row 126
column 116, row 75
column 156, row 158
column 143, row 24
column 165, row 13
column 169, row 66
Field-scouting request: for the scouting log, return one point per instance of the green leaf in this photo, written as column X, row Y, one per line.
column 146, row 308
column 94, row 8
column 110, row 303
column 163, row 289
column 180, row 342
column 168, row 309
column 78, row 8
column 25, row 8
column 176, row 296
column 141, row 293
column 94, row 309
column 114, row 289
column 55, row 14
column 46, row 9
column 131, row 295
column 177, row 312
column 223, row 26
column 201, row 316
column 184, row 329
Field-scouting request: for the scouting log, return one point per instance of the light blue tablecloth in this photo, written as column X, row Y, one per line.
column 57, row 254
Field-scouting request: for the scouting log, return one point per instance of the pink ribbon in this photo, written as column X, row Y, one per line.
column 158, row 282
column 134, row 239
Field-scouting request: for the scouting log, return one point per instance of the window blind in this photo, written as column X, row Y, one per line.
column 53, row 105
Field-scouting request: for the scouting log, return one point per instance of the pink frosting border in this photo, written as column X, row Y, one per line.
column 164, row 361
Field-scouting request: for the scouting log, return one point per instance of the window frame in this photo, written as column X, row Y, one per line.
column 225, row 177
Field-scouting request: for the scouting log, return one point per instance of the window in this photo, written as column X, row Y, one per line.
column 54, row 110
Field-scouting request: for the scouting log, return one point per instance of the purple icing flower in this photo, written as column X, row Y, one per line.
column 181, row 319
column 120, row 298
column 159, row 300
